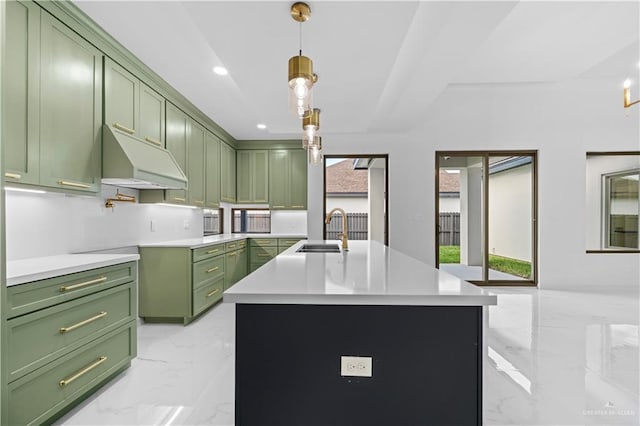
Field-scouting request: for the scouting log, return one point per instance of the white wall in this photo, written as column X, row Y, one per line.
column 510, row 201
column 596, row 167
column 562, row 121
column 349, row 204
column 376, row 204
column 449, row 204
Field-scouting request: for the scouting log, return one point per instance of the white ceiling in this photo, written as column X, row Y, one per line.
column 380, row 64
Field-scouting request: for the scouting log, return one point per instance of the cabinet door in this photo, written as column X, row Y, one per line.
column 244, row 176
column 195, row 163
column 152, row 107
column 70, row 109
column 230, row 265
column 177, row 145
column 260, row 176
column 121, row 98
column 212, row 171
column 278, row 179
column 21, row 92
column 227, row 173
column 298, row 179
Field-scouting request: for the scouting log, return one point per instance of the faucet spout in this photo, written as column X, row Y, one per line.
column 327, row 220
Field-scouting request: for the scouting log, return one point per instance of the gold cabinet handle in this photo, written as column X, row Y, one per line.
column 13, row 175
column 179, row 199
column 232, row 254
column 232, row 246
column 199, row 202
column 75, row 185
column 213, row 292
column 65, row 382
column 153, row 141
column 278, row 207
column 213, row 251
column 264, row 255
column 81, row 323
column 298, row 207
column 79, row 285
column 123, row 128
column 212, row 269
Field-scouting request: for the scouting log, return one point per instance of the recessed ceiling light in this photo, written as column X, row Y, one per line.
column 220, row 70
column 261, row 126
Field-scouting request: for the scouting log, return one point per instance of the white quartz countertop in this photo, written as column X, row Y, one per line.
column 215, row 239
column 40, row 268
column 370, row 273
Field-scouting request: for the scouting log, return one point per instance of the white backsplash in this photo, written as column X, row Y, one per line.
column 289, row 222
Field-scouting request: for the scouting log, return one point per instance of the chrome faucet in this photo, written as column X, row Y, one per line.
column 327, row 220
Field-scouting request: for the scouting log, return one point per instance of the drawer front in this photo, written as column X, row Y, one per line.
column 263, row 254
column 34, row 398
column 241, row 244
column 264, row 242
column 285, row 243
column 25, row 298
column 207, row 270
column 207, row 252
column 233, row 245
column 207, row 295
column 40, row 337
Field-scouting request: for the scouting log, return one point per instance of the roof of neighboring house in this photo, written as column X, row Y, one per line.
column 449, row 182
column 342, row 178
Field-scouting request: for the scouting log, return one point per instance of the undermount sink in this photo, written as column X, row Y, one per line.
column 319, row 248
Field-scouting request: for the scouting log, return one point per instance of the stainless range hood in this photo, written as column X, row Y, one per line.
column 131, row 162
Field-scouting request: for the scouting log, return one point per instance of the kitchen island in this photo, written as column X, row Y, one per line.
column 364, row 337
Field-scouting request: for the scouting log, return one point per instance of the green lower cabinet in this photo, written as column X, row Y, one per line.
column 261, row 251
column 179, row 283
column 235, row 262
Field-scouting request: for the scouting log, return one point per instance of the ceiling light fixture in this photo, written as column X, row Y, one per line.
column 261, row 126
column 627, row 94
column 311, row 127
column 315, row 151
column 301, row 76
column 220, row 70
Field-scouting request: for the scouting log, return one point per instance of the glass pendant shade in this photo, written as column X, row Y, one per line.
column 315, row 156
column 311, row 126
column 301, row 80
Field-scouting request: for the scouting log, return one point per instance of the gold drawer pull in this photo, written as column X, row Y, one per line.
column 278, row 207
column 265, row 255
column 213, row 292
column 86, row 283
column 75, row 185
column 153, row 141
column 232, row 246
column 65, row 382
column 298, row 207
column 213, row 251
column 199, row 202
column 12, row 175
column 232, row 254
column 123, row 128
column 179, row 199
column 212, row 269
column 81, row 323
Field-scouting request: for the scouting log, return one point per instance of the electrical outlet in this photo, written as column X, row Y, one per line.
column 356, row 366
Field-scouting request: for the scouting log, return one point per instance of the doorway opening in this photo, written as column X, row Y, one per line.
column 358, row 184
column 486, row 208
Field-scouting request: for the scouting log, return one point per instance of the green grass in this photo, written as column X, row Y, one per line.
column 519, row 268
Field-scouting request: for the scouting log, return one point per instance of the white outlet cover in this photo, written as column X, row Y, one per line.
column 356, row 366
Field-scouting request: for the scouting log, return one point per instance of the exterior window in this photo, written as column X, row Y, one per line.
column 212, row 221
column 251, row 221
column 622, row 205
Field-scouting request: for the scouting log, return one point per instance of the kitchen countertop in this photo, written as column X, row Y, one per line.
column 370, row 273
column 215, row 239
column 40, row 268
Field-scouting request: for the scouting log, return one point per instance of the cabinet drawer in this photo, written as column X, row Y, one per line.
column 207, row 295
column 263, row 254
column 264, row 242
column 25, row 298
column 40, row 337
column 285, row 243
column 207, row 252
column 231, row 246
column 207, row 270
column 34, row 398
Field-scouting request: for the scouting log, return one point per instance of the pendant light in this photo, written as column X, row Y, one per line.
column 315, row 151
column 301, row 76
column 310, row 127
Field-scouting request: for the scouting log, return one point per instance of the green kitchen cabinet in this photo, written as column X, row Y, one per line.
column 70, row 109
column 195, row 163
column 227, row 173
column 235, row 262
column 121, row 98
column 21, row 129
column 261, row 250
column 179, row 283
column 212, row 170
column 252, row 176
column 176, row 140
column 288, row 179
column 152, row 115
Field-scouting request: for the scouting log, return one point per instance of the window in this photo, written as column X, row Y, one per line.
column 251, row 221
column 212, row 221
column 622, row 205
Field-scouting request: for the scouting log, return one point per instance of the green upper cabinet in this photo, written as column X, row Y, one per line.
column 288, row 179
column 121, row 98
column 21, row 92
column 212, row 170
column 70, row 109
column 177, row 122
column 152, row 120
column 227, row 173
column 195, row 163
column 253, row 176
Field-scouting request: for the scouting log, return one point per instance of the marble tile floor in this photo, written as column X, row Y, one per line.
column 551, row 358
